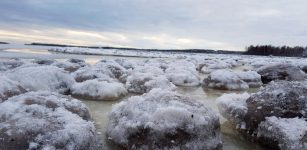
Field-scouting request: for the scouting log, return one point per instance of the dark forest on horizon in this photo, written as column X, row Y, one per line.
column 269, row 50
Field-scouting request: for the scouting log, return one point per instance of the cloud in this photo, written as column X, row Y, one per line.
column 214, row 24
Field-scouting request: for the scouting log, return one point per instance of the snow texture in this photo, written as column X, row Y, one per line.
column 162, row 119
column 44, row 120
column 98, row 90
column 225, row 79
column 47, row 78
column 233, row 107
column 182, row 73
column 289, row 133
column 9, row 88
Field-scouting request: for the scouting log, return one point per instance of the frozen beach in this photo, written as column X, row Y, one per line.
column 160, row 92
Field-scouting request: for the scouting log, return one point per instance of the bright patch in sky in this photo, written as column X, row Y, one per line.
column 210, row 24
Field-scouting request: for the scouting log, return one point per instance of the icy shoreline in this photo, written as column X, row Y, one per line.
column 111, row 79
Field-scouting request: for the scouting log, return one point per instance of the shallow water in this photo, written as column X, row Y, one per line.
column 100, row 109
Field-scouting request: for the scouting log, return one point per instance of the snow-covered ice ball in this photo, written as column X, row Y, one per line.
column 103, row 70
column 225, row 79
column 9, row 88
column 283, row 133
column 47, row 78
column 233, row 107
column 281, row 72
column 98, row 90
column 144, row 82
column 10, row 64
column 182, row 73
column 252, row 78
column 163, row 119
column 286, row 99
column 68, row 66
column 45, row 120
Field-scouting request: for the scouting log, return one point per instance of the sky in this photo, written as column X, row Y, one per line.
column 208, row 24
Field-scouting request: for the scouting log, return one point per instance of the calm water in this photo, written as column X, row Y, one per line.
column 100, row 109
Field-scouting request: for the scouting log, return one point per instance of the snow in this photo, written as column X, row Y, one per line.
column 290, row 133
column 44, row 120
column 252, row 78
column 98, row 90
column 182, row 73
column 233, row 107
column 10, row 64
column 103, row 70
column 225, row 79
column 160, row 119
column 9, row 88
column 47, row 78
column 144, row 82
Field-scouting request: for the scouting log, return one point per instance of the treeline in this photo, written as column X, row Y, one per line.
column 267, row 50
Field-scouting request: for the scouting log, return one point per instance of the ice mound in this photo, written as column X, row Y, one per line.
column 162, row 119
column 144, row 82
column 10, row 64
column 285, row 133
column 281, row 72
column 47, row 78
column 270, row 115
column 9, row 88
column 212, row 65
column 44, row 120
column 182, row 73
column 252, row 78
column 225, row 79
column 281, row 99
column 98, row 90
column 71, row 65
column 103, row 70
column 234, row 108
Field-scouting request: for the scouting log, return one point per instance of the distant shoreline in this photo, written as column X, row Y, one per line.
column 209, row 51
column 4, row 43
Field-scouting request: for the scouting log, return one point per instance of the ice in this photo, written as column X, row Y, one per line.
column 163, row 119
column 225, row 79
column 36, row 78
column 103, row 70
column 233, row 107
column 144, row 82
column 284, row 133
column 98, row 90
column 9, row 88
column 10, row 64
column 182, row 73
column 45, row 120
column 252, row 78
column 281, row 72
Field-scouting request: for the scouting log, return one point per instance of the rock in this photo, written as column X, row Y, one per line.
column 9, row 88
column 281, row 72
column 44, row 120
column 283, row 133
column 47, row 78
column 281, row 99
column 162, row 119
column 144, row 82
column 225, row 79
column 98, row 90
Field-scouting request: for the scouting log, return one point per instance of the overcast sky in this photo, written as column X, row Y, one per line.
column 214, row 24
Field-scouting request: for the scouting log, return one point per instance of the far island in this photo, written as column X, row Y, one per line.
column 4, row 43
